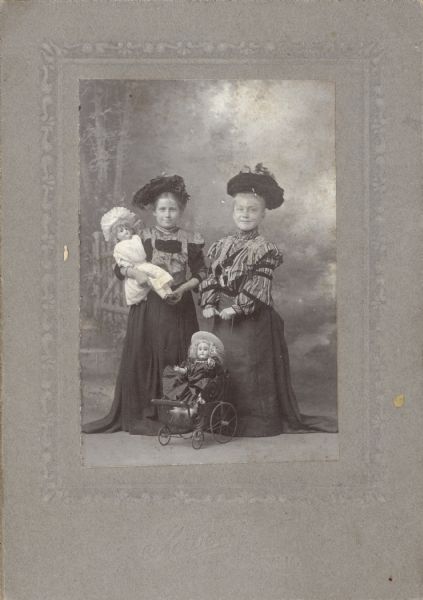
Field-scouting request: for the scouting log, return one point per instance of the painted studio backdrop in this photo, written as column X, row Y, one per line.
column 207, row 131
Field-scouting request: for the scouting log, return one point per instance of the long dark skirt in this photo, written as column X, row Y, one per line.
column 158, row 334
column 256, row 357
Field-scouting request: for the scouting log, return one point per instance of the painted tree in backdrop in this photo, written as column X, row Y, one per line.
column 105, row 123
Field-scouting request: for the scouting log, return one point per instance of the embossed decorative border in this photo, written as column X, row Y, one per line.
column 333, row 49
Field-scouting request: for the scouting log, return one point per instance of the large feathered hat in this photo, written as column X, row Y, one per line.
column 115, row 216
column 261, row 182
column 160, row 185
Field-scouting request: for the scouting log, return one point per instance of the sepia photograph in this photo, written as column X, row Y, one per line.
column 207, row 271
column 211, row 290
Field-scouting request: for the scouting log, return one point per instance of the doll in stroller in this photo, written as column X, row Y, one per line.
column 193, row 395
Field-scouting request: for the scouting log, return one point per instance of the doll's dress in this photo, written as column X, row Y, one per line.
column 131, row 253
column 186, row 387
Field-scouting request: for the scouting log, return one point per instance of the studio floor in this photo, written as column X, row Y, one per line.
column 123, row 449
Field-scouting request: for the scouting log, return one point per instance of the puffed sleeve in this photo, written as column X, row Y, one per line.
column 196, row 262
column 257, row 287
column 209, row 287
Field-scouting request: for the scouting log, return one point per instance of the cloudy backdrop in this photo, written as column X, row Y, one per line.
column 207, row 131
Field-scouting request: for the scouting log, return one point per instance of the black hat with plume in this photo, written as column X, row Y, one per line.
column 162, row 184
column 260, row 182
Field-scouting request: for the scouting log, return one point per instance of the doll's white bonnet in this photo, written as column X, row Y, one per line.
column 118, row 214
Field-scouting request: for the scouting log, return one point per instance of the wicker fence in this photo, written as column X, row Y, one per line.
column 109, row 306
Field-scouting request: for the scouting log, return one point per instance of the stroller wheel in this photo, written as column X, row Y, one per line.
column 164, row 435
column 223, row 422
column 197, row 439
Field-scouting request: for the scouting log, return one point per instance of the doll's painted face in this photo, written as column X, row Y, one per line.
column 167, row 211
column 249, row 211
column 123, row 232
column 203, row 351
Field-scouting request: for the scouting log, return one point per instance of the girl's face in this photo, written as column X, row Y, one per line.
column 123, row 232
column 203, row 350
column 249, row 211
column 167, row 211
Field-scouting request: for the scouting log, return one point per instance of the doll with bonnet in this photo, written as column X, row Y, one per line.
column 118, row 226
column 187, row 381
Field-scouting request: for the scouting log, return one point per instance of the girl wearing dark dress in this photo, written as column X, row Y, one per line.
column 158, row 331
column 237, row 295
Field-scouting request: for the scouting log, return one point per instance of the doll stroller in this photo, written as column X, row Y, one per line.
column 207, row 413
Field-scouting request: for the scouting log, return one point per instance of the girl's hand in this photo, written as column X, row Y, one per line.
column 227, row 313
column 175, row 296
column 209, row 312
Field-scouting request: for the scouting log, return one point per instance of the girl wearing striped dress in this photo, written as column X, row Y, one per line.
column 236, row 294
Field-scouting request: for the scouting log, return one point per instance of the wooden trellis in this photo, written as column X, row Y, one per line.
column 108, row 294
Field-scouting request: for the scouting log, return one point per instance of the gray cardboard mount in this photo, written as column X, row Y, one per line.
column 343, row 529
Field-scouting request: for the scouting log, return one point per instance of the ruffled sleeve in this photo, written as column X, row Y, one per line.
column 257, row 285
column 209, row 287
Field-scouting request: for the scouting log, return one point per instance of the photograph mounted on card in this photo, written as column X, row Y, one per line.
column 212, row 303
column 208, row 329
